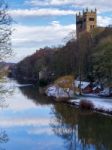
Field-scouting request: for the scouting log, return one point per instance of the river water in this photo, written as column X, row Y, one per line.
column 30, row 121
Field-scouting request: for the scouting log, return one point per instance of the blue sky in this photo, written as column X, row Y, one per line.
column 41, row 23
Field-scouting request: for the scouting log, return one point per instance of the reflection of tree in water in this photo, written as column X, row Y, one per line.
column 64, row 125
column 4, row 92
column 96, row 130
column 82, row 130
column 3, row 138
column 31, row 92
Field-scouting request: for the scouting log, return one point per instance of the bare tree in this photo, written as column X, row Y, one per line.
column 70, row 37
column 5, row 50
column 5, row 41
column 5, row 30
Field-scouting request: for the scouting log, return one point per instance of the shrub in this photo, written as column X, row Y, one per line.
column 85, row 104
column 66, row 83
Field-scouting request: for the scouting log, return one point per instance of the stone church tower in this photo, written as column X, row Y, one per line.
column 86, row 22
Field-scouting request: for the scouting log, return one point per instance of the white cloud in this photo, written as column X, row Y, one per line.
column 40, row 12
column 49, row 2
column 103, row 5
column 54, row 31
column 27, row 39
column 104, row 21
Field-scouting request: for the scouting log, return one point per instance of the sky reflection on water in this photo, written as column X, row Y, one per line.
column 27, row 124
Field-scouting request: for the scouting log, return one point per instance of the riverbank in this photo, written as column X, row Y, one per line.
column 94, row 103
column 103, row 105
column 89, row 101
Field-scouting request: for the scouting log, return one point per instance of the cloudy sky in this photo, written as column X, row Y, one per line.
column 40, row 23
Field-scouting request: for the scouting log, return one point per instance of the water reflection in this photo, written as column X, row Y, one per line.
column 32, row 93
column 32, row 121
column 27, row 120
column 82, row 130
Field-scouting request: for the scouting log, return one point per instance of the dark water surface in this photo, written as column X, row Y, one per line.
column 29, row 121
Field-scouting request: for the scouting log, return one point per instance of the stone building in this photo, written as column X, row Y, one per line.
column 86, row 21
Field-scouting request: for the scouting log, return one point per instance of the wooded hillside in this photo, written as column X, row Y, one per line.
column 87, row 58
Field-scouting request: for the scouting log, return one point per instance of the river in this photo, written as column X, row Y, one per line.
column 30, row 121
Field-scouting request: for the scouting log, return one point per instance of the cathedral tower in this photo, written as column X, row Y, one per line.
column 86, row 21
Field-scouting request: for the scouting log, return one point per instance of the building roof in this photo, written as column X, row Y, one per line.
column 84, row 84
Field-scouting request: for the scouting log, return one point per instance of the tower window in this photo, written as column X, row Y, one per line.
column 91, row 26
column 79, row 22
column 91, row 19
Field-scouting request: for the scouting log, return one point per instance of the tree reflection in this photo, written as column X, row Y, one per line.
column 82, row 130
column 32, row 93
column 3, row 138
column 64, row 125
column 4, row 92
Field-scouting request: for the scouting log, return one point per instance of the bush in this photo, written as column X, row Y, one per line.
column 65, row 82
column 85, row 104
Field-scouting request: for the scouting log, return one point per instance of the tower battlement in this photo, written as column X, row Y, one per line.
column 86, row 21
